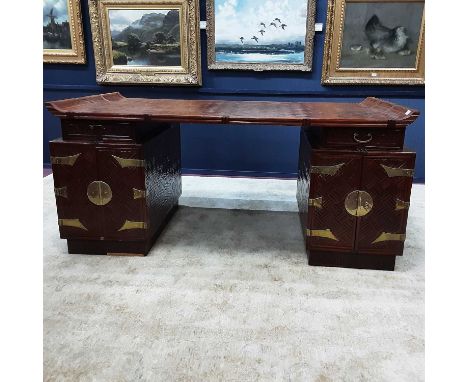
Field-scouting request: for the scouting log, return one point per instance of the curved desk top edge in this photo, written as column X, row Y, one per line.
column 371, row 112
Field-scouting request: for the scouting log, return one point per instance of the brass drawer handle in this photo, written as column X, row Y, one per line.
column 356, row 139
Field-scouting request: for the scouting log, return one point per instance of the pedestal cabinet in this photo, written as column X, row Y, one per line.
column 116, row 184
column 353, row 197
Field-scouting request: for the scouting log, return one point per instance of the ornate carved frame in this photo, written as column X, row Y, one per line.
column 333, row 74
column 189, row 73
column 308, row 45
column 75, row 55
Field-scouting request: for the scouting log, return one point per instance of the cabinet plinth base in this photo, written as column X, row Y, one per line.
column 118, row 248
column 351, row 260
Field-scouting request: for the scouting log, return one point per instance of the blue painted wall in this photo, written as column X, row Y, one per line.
column 235, row 150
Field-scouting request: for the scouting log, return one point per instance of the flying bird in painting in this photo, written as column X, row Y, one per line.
column 277, row 19
column 283, row 26
column 261, row 31
column 242, row 39
column 272, row 23
column 263, row 25
column 386, row 40
column 255, row 38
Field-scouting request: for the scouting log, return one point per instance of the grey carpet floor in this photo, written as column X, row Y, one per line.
column 226, row 295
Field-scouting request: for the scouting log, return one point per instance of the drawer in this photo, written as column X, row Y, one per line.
column 364, row 138
column 87, row 130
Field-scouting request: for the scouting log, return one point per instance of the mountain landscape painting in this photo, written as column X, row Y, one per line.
column 145, row 37
column 260, row 31
column 55, row 25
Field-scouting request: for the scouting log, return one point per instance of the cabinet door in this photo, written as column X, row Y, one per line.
column 73, row 166
column 387, row 177
column 333, row 177
column 122, row 169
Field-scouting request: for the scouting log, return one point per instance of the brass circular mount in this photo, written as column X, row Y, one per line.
column 99, row 193
column 358, row 203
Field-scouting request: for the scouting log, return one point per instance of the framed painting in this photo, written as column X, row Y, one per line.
column 260, row 35
column 146, row 41
column 62, row 32
column 374, row 42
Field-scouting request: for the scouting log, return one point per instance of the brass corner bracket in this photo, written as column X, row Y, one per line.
column 324, row 233
column 75, row 223
column 395, row 171
column 326, row 170
column 129, row 162
column 65, row 161
column 132, row 225
column 387, row 236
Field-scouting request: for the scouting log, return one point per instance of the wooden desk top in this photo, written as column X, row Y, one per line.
column 371, row 112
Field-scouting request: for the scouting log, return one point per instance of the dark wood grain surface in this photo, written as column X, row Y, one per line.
column 370, row 112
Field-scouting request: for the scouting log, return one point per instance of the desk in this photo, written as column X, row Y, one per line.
column 117, row 172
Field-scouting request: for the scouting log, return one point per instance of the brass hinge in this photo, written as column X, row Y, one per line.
column 61, row 191
column 324, row 233
column 132, row 225
column 139, row 194
column 326, row 170
column 401, row 205
column 129, row 162
column 65, row 161
column 387, row 236
column 75, row 223
column 316, row 202
column 395, row 171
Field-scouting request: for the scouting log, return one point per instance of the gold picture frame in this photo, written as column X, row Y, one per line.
column 340, row 67
column 306, row 65
column 187, row 48
column 75, row 55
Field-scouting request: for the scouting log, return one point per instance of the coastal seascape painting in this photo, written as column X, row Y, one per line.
column 62, row 32
column 260, row 35
column 142, row 37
